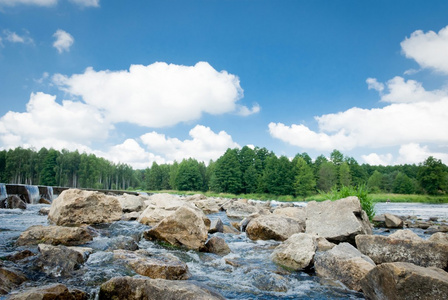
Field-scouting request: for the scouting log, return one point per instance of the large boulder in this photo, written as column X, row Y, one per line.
column 10, row 279
column 297, row 252
column 56, row 291
column 382, row 249
column 294, row 212
column 12, row 202
column 131, row 203
column 439, row 237
column 54, row 235
column 76, row 207
column 337, row 221
column 396, row 281
column 160, row 206
column 184, row 228
column 275, row 227
column 345, row 264
column 393, row 221
column 153, row 289
column 162, row 266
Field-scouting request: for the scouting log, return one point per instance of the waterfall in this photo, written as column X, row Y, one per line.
column 3, row 193
column 33, row 193
column 48, row 195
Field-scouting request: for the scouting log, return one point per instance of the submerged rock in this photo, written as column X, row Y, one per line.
column 50, row 292
column 153, row 289
column 297, row 252
column 77, row 207
column 275, row 227
column 396, row 281
column 337, row 221
column 54, row 235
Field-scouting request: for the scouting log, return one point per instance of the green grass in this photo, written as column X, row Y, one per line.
column 409, row 198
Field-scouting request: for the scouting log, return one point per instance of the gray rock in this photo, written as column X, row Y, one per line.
column 275, row 227
column 54, row 235
column 216, row 225
column 396, row 281
column 337, row 221
column 294, row 212
column 392, row 221
column 131, row 203
column 13, row 202
column 439, row 237
column 405, row 234
column 240, row 209
column 153, row 289
column 297, row 252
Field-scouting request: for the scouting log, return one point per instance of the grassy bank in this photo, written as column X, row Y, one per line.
column 374, row 197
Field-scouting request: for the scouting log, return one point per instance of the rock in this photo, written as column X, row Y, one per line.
column 122, row 243
column 439, row 237
column 392, row 221
column 297, row 252
column 20, row 255
column 229, row 229
column 267, row 281
column 275, row 227
column 50, row 292
column 10, row 279
column 323, row 244
column 59, row 260
column 337, row 221
column 294, row 212
column 184, row 228
column 344, row 263
column 208, row 205
column 131, row 216
column 54, row 235
column 131, row 203
column 217, row 245
column 423, row 253
column 44, row 211
column 379, row 220
column 76, row 207
column 162, row 266
column 44, row 201
column 405, row 234
column 13, row 202
column 153, row 289
column 395, row 281
column 196, row 197
column 216, row 225
column 160, row 206
column 436, row 228
column 240, row 209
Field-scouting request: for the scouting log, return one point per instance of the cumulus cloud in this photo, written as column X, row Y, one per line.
column 28, row 2
column 428, row 49
column 204, row 145
column 46, row 123
column 414, row 153
column 159, row 94
column 375, row 159
column 64, row 40
column 13, row 37
column 372, row 83
column 245, row 111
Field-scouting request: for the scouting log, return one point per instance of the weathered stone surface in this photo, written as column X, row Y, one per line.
column 54, row 235
column 10, row 279
column 379, row 220
column 160, row 206
column 240, row 209
column 344, row 263
column 122, row 243
column 153, row 289
column 50, row 292
column 76, row 207
column 217, row 245
column 267, row 281
column 337, row 221
column 423, row 253
column 59, row 260
column 397, row 281
column 392, row 221
column 20, row 255
column 405, row 234
column 275, row 227
column 131, row 203
column 131, row 216
column 44, row 211
column 209, row 205
column 184, row 228
column 323, row 244
column 229, row 229
column 12, row 202
column 294, row 212
column 216, row 225
column 162, row 266
column 439, row 237
column 297, row 252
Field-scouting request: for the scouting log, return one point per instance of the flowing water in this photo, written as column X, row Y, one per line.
column 250, row 274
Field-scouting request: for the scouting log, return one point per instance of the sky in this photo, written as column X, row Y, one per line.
column 149, row 81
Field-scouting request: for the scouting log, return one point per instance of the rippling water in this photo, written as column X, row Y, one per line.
column 254, row 277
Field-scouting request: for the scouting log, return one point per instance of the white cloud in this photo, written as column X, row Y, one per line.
column 13, row 37
column 204, row 145
column 29, row 2
column 401, row 91
column 64, row 40
column 46, row 123
column 375, row 159
column 245, row 111
column 429, row 49
column 157, row 95
column 87, row 3
column 374, row 84
column 413, row 153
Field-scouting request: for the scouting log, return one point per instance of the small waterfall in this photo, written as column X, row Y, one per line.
column 33, row 193
column 3, row 193
column 48, row 194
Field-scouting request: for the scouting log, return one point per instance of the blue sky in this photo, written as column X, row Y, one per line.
column 145, row 81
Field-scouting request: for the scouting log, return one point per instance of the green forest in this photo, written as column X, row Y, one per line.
column 237, row 171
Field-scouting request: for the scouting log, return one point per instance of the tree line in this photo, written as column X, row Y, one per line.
column 237, row 171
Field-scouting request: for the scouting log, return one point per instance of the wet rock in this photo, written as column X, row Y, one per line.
column 162, row 266
column 44, row 201
column 216, row 225
column 153, row 289
column 297, row 252
column 436, row 228
column 44, row 211
column 54, row 235
column 60, row 260
column 294, row 212
column 76, row 207
column 423, row 253
column 337, row 221
column 160, row 206
column 393, row 221
column 217, row 245
column 20, row 255
column 13, row 202
column 418, row 224
column 228, row 229
column 131, row 203
column 275, row 227
column 395, row 281
column 439, row 237
column 344, row 263
column 184, row 228
column 10, row 279
column 50, row 292
column 267, row 281
column 122, row 243
column 209, row 205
